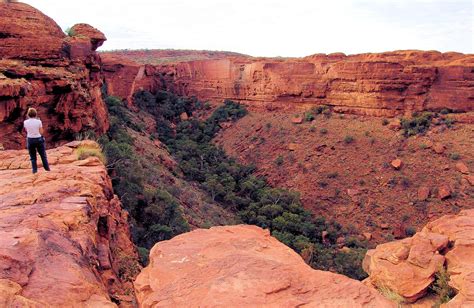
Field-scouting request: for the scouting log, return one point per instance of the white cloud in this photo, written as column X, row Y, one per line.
column 274, row 28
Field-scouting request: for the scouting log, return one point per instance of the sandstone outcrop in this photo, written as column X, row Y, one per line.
column 242, row 266
column 64, row 238
column 384, row 84
column 41, row 67
column 408, row 266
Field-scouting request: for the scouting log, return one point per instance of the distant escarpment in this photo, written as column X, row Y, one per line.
column 381, row 84
column 42, row 67
column 64, row 237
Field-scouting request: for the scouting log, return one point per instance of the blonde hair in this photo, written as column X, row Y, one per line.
column 32, row 113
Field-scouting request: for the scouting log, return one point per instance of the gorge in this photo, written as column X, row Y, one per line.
column 362, row 164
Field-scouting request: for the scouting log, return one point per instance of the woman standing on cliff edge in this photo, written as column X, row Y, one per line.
column 35, row 140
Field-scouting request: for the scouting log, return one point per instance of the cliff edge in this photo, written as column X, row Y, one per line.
column 242, row 266
column 64, row 238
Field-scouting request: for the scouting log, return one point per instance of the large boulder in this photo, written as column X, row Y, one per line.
column 408, row 267
column 242, row 266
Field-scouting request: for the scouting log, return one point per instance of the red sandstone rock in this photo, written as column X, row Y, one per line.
column 438, row 148
column 292, row 146
column 395, row 124
column 423, row 193
column 408, row 266
column 397, row 163
column 470, row 179
column 385, row 84
column 58, row 75
column 444, row 192
column 297, row 120
column 96, row 37
column 63, row 233
column 242, row 266
column 461, row 167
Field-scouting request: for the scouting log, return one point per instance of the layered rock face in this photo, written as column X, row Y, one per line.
column 385, row 84
column 40, row 67
column 242, row 266
column 408, row 266
column 64, row 238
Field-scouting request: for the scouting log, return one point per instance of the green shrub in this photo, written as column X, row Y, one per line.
column 418, row 124
column 410, row 231
column 309, row 117
column 279, row 160
column 348, row 139
column 454, row 156
column 441, row 286
column 385, row 122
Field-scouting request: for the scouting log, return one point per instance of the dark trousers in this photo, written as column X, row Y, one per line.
column 37, row 144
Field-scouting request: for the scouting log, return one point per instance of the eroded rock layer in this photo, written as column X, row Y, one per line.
column 408, row 266
column 385, row 84
column 41, row 67
column 242, row 266
column 64, row 238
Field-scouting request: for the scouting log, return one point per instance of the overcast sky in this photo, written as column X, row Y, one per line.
column 274, row 27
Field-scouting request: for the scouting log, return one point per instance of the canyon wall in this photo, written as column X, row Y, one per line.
column 64, row 237
column 41, row 67
column 384, row 84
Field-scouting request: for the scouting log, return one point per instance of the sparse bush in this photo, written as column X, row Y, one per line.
column 391, row 295
column 445, row 111
column 332, row 175
column 308, row 117
column 348, row 139
column 441, row 286
column 418, row 124
column 279, row 160
column 320, row 109
column 449, row 122
column 323, row 183
column 410, row 231
column 323, row 131
column 144, row 255
column 85, row 151
column 268, row 125
column 312, row 129
column 385, row 122
column 454, row 156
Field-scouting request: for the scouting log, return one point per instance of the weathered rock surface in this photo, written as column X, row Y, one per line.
column 64, row 238
column 408, row 266
column 383, row 84
column 43, row 68
column 242, row 266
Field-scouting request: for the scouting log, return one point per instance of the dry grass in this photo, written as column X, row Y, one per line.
column 391, row 295
column 85, row 151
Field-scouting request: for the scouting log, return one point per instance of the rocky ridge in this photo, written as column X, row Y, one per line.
column 383, row 84
column 408, row 266
column 41, row 67
column 64, row 237
column 242, row 266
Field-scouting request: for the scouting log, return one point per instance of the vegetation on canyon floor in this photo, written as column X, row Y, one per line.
column 156, row 214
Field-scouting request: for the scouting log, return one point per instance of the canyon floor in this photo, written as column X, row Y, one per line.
column 342, row 166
